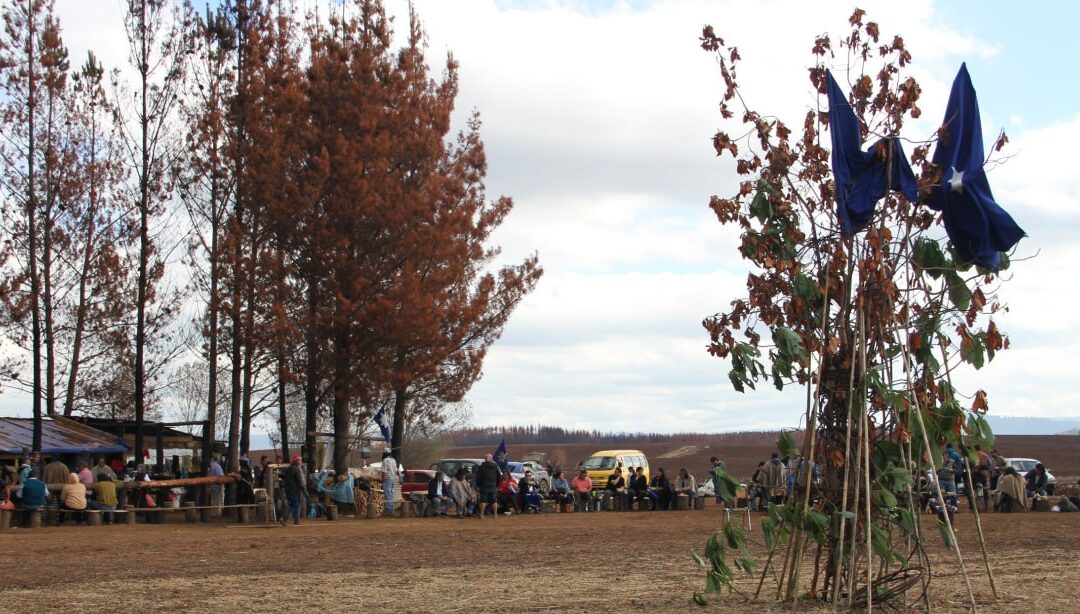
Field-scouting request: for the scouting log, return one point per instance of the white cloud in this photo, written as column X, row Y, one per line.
column 598, row 124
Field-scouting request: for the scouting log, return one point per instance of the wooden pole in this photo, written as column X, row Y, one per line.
column 934, row 481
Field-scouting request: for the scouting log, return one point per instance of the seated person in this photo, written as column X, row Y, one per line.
column 637, row 489
column 73, row 498
column 530, row 498
column 660, row 490
column 1011, row 495
column 1036, row 481
column 507, row 495
column 439, row 495
column 34, row 497
column 560, row 489
column 462, row 494
column 685, row 485
column 582, row 487
column 104, row 497
column 616, row 489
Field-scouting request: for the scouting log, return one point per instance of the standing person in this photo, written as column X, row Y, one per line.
column 757, row 493
column 947, row 479
column 487, row 482
column 294, row 483
column 260, row 471
column 102, row 469
column 217, row 491
column 582, row 486
column 685, row 484
column 390, row 475
column 958, row 465
column 717, row 468
column 773, row 476
column 997, row 467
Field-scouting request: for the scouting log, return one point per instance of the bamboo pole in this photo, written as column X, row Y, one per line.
column 866, row 475
column 978, row 529
column 934, row 481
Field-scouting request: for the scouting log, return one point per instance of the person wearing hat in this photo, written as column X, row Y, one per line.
column 292, row 480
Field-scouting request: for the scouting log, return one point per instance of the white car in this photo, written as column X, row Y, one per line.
column 1024, row 465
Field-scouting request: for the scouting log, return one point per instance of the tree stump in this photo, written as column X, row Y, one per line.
column 35, row 519
column 244, row 515
column 549, row 506
column 129, row 517
column 95, row 518
column 682, row 502
column 331, row 511
column 699, row 502
column 5, row 519
column 567, row 507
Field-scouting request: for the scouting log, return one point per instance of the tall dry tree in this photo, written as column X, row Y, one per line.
column 158, row 39
column 872, row 323
column 205, row 181
column 21, row 71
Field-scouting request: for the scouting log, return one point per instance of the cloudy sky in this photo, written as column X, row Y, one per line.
column 597, row 121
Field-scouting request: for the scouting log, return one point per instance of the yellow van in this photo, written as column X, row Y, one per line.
column 603, row 463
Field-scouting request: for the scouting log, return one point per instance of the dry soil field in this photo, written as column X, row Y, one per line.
column 599, row 562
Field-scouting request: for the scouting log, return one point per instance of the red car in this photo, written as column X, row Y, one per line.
column 416, row 480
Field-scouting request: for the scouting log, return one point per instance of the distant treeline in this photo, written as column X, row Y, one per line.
column 541, row 434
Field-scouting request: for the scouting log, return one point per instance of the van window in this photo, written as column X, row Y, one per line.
column 600, row 462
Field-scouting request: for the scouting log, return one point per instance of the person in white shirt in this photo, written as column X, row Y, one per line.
column 390, row 476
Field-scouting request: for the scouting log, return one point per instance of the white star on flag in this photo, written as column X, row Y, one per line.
column 956, row 182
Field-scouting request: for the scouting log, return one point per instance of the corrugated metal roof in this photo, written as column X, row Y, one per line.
column 58, row 436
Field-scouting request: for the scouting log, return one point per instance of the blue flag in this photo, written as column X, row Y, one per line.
column 383, row 420
column 500, row 455
column 862, row 178
column 977, row 226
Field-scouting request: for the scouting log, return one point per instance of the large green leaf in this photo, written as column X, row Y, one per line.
column 959, row 293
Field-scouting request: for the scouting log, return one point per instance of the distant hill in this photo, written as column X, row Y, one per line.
column 1075, row 431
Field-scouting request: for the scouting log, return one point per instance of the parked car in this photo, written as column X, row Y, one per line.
column 450, row 466
column 1024, row 465
column 416, row 480
column 601, row 465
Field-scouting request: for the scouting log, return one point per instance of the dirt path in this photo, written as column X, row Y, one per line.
column 606, row 562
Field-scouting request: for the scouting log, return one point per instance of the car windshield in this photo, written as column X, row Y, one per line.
column 516, row 467
column 1023, row 466
column 600, row 462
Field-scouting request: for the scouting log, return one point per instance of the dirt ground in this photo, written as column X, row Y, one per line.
column 597, row 562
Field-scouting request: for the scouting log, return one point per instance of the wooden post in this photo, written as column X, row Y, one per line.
column 5, row 519
column 682, row 501
column 35, row 519
column 331, row 511
column 129, row 517
column 95, row 517
column 372, row 511
column 190, row 513
column 244, row 515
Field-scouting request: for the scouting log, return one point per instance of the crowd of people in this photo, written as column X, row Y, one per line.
column 494, row 490
column 82, row 487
